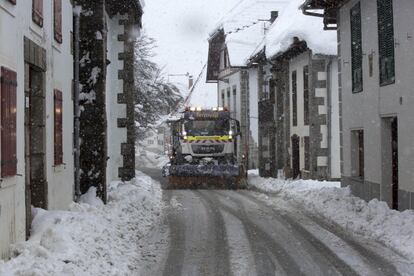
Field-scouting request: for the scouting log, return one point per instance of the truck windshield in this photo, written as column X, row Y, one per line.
column 207, row 127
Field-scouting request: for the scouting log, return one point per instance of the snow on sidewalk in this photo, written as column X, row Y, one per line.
column 91, row 238
column 373, row 219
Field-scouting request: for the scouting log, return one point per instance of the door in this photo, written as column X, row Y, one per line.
column 35, row 118
column 394, row 150
column 295, row 156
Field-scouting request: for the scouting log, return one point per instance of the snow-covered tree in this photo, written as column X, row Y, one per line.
column 155, row 96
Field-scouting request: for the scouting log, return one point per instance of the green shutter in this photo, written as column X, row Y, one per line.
column 356, row 48
column 386, row 42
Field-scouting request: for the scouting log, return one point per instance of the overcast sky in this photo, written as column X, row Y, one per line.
column 181, row 28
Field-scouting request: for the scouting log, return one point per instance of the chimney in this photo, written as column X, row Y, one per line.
column 190, row 82
column 273, row 16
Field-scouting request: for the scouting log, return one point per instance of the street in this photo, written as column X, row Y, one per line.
column 219, row 232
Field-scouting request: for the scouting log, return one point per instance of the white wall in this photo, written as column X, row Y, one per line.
column 254, row 103
column 366, row 109
column 233, row 81
column 335, row 153
column 59, row 76
column 301, row 130
column 114, row 86
column 15, row 23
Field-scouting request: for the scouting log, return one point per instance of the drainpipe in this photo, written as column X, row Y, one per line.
column 76, row 106
column 329, row 111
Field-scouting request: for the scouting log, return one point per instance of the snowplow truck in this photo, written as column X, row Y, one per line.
column 203, row 151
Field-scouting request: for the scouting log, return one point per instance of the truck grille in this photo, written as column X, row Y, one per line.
column 207, row 149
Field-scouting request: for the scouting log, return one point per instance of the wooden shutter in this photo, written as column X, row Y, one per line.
column 294, row 99
column 356, row 48
column 57, row 12
column 8, row 122
column 386, row 41
column 37, row 12
column 58, row 127
column 306, row 95
column 13, row 2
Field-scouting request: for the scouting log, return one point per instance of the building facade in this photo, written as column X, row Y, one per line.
column 313, row 118
column 108, row 31
column 230, row 46
column 36, row 113
column 298, row 99
column 376, row 68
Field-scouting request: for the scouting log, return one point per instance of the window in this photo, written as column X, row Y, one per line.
column 58, row 127
column 57, row 17
column 222, row 98
column 234, row 99
column 272, row 90
column 37, row 12
column 306, row 95
column 8, row 84
column 294, row 99
column 357, row 153
column 228, row 97
column 307, row 153
column 386, row 42
column 356, row 48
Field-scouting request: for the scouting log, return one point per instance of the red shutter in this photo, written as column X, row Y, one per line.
column 13, row 2
column 58, row 128
column 58, row 20
column 37, row 12
column 8, row 122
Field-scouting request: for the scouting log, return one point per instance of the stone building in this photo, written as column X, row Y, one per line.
column 376, row 57
column 230, row 45
column 298, row 108
column 108, row 30
column 36, row 113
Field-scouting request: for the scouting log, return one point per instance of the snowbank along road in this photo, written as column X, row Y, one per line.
column 219, row 232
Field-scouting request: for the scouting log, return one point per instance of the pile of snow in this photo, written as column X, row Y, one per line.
column 91, row 238
column 293, row 23
column 245, row 25
column 374, row 219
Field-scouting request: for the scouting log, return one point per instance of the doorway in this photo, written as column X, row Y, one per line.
column 295, row 156
column 35, row 145
column 390, row 161
column 394, row 152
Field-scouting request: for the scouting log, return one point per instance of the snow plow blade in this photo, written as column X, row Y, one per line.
column 205, row 177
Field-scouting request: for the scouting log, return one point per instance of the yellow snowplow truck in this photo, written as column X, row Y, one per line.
column 204, row 151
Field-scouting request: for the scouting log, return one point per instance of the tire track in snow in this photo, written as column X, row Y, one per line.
column 355, row 255
column 270, row 257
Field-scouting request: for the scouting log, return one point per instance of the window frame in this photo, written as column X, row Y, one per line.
column 37, row 12
column 58, row 127
column 356, row 52
column 306, row 95
column 294, row 98
column 306, row 146
column 8, row 94
column 57, row 21
column 386, row 50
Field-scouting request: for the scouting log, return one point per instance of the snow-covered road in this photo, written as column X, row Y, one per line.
column 218, row 232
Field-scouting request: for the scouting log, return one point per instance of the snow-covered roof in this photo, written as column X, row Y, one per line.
column 244, row 27
column 293, row 23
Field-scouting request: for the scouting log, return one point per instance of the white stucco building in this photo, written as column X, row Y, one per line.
column 298, row 98
column 230, row 46
column 36, row 112
column 375, row 82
